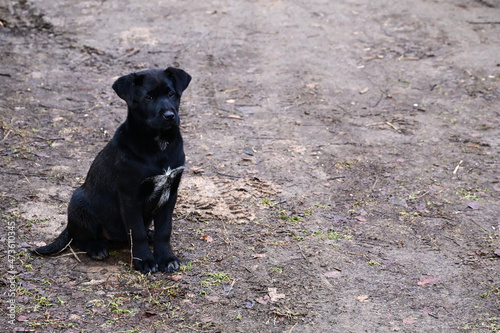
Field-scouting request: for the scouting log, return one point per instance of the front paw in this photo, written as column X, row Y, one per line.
column 146, row 266
column 168, row 265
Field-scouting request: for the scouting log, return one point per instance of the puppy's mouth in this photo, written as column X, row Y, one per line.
column 163, row 123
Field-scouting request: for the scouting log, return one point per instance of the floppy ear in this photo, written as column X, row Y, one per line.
column 179, row 77
column 124, row 87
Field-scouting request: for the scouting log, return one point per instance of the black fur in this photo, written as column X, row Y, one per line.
column 134, row 179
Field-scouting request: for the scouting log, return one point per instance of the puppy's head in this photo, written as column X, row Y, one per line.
column 153, row 96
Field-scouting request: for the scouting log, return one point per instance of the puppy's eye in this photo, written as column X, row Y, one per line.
column 148, row 98
column 170, row 94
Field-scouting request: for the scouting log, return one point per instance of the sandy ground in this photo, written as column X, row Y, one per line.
column 342, row 164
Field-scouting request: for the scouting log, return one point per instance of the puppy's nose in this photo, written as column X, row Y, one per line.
column 168, row 115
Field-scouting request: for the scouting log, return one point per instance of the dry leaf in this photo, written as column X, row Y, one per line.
column 263, row 300
column 360, row 218
column 197, row 170
column 147, row 314
column 333, row 274
column 273, row 294
column 409, row 321
column 93, row 282
column 427, row 279
column 363, row 298
column 176, row 277
column 213, row 299
column 474, row 205
column 207, row 238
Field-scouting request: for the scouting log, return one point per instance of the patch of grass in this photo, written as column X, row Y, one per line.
column 490, row 237
column 349, row 165
column 186, row 267
column 494, row 291
column 267, row 201
column 22, row 291
column 411, row 215
column 332, row 234
column 468, row 194
column 116, row 305
column 491, row 324
column 220, row 277
column 12, row 216
column 214, row 279
column 292, row 218
column 31, row 223
column 326, row 206
column 41, row 302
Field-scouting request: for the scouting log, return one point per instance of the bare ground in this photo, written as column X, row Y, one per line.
column 343, row 164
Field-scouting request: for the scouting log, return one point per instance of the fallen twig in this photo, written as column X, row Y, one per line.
column 74, row 254
column 71, row 254
column 231, row 287
column 302, row 252
column 226, row 175
column 457, row 167
column 6, row 135
column 384, row 123
column 64, row 248
column 131, row 252
column 394, row 127
column 486, row 22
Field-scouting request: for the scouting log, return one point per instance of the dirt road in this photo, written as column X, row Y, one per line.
column 342, row 173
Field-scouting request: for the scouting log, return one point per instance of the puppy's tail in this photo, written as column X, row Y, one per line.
column 59, row 244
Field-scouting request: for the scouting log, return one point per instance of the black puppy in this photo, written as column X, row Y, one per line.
column 134, row 179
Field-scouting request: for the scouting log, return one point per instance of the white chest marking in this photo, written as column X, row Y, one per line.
column 163, row 184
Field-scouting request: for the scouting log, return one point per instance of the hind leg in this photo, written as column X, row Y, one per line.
column 85, row 229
